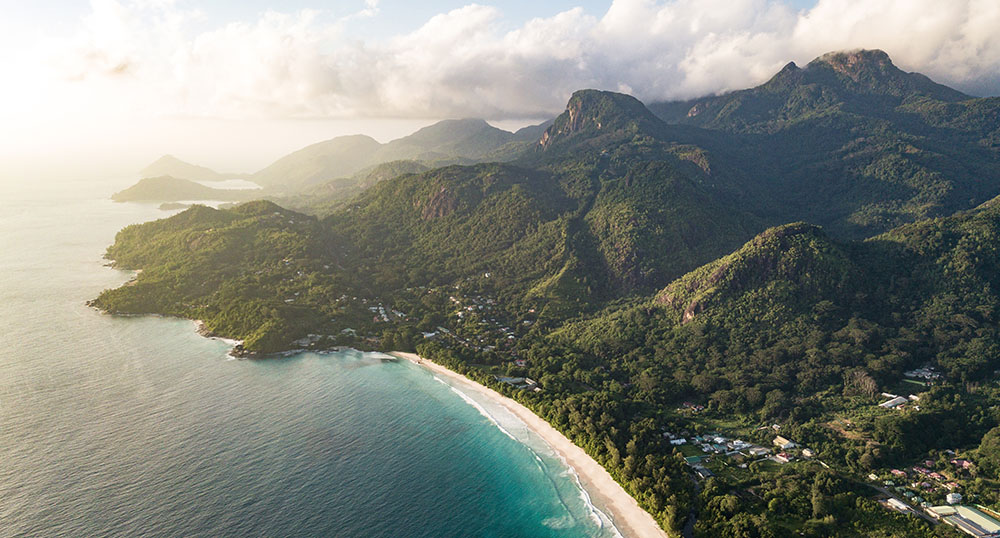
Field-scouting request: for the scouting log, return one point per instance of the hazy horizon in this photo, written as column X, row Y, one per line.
column 226, row 146
column 104, row 88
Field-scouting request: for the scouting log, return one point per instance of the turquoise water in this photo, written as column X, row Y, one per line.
column 138, row 426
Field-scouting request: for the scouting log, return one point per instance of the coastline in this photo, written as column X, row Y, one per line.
column 626, row 514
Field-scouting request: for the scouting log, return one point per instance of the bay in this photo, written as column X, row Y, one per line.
column 138, row 426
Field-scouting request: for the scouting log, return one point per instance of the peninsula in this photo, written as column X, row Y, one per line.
column 171, row 189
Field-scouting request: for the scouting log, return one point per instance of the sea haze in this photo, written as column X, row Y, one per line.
column 132, row 426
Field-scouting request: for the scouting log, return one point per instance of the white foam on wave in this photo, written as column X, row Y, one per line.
column 563, row 522
column 601, row 519
column 482, row 410
column 596, row 514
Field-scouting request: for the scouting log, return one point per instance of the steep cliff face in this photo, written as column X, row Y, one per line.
column 594, row 112
column 440, row 203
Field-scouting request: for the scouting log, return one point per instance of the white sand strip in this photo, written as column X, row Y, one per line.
column 625, row 512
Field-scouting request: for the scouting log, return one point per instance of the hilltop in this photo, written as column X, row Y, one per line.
column 168, row 165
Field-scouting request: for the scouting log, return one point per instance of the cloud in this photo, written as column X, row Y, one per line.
column 152, row 57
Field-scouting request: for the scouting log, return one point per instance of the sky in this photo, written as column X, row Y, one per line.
column 105, row 86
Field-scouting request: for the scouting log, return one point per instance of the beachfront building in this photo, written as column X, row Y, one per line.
column 524, row 383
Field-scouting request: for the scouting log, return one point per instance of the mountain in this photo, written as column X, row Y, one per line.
column 171, row 189
column 593, row 114
column 863, row 82
column 168, row 165
column 467, row 139
column 323, row 161
column 854, row 144
column 446, row 142
column 924, row 293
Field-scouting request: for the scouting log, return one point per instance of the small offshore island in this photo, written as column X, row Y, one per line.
column 768, row 313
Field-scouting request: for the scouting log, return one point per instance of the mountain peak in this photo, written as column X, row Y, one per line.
column 855, row 64
column 598, row 111
column 449, row 130
column 168, row 165
column 872, row 71
column 167, row 159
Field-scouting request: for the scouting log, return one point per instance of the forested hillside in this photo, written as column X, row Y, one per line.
column 763, row 262
column 853, row 143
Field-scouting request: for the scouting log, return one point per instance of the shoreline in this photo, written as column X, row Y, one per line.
column 630, row 519
column 626, row 514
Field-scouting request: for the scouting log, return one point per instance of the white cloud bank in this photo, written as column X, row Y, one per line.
column 151, row 57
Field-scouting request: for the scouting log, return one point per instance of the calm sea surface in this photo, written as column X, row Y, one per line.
column 139, row 427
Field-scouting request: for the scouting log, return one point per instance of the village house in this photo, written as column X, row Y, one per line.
column 898, row 505
column 926, row 373
column 783, row 443
column 893, row 403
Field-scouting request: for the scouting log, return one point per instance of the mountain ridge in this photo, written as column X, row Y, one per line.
column 461, row 141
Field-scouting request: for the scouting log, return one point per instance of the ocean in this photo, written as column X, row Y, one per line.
column 113, row 426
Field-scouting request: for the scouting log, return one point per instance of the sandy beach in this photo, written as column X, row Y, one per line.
column 625, row 512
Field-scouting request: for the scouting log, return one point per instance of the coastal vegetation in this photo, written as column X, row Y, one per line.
column 765, row 261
